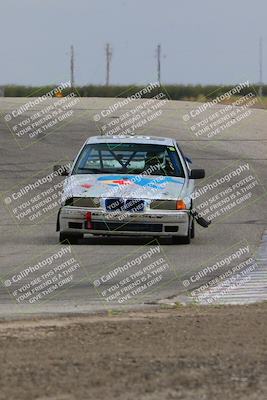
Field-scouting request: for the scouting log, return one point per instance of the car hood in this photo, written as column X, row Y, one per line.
column 126, row 186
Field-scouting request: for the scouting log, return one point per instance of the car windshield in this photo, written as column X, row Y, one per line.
column 129, row 158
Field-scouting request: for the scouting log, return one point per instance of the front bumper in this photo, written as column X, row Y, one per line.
column 148, row 223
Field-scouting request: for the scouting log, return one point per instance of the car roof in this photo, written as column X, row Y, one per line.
column 131, row 139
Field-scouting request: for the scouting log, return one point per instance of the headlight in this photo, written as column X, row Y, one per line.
column 163, row 204
column 92, row 202
column 168, row 205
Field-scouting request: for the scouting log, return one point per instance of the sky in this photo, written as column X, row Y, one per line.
column 203, row 41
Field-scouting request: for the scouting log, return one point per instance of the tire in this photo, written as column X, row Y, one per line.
column 181, row 239
column 71, row 237
column 193, row 229
column 185, row 239
column 192, row 224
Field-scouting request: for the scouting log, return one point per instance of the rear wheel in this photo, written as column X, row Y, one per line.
column 72, row 238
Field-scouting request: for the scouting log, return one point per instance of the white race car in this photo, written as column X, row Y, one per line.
column 130, row 185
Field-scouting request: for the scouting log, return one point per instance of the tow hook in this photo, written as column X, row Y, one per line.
column 201, row 221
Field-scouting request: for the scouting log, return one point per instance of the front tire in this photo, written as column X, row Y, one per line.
column 185, row 239
column 181, row 239
column 193, row 229
column 72, row 238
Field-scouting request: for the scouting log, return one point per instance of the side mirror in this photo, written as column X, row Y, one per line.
column 62, row 170
column 197, row 174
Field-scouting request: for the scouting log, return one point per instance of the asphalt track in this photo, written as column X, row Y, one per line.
column 245, row 141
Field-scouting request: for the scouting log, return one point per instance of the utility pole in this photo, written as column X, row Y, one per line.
column 159, row 62
column 108, row 62
column 260, row 67
column 72, row 66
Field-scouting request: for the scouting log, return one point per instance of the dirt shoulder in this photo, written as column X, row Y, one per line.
column 188, row 352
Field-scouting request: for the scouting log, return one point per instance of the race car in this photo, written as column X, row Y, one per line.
column 128, row 185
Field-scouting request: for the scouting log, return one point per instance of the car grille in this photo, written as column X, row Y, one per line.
column 129, row 205
column 75, row 225
column 129, row 227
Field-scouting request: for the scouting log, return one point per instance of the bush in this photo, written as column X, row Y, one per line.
column 174, row 92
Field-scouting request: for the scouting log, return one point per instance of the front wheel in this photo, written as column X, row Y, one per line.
column 192, row 229
column 185, row 239
column 181, row 239
column 72, row 238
